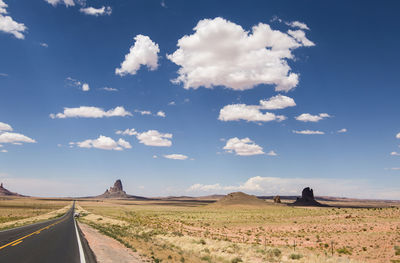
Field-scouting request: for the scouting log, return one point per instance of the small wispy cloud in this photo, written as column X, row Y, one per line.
column 306, row 117
column 78, row 84
column 176, row 156
column 393, row 168
column 102, row 11
column 309, row 132
column 109, row 89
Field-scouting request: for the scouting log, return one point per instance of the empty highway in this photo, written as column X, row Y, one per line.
column 52, row 241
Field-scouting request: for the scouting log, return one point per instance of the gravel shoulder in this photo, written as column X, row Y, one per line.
column 107, row 249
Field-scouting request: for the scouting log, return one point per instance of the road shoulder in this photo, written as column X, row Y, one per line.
column 107, row 249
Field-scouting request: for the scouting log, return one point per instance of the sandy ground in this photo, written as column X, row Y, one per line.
column 107, row 249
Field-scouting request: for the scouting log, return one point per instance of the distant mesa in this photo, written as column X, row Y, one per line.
column 117, row 192
column 239, row 199
column 307, row 198
column 6, row 192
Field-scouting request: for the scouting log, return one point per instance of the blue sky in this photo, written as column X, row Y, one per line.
column 197, row 98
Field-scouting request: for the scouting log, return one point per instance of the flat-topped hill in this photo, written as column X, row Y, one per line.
column 239, row 199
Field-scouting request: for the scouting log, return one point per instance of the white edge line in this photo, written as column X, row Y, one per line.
column 81, row 254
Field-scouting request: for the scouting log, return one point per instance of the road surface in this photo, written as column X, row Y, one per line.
column 53, row 241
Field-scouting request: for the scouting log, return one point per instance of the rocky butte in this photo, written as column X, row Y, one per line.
column 307, row 198
column 115, row 191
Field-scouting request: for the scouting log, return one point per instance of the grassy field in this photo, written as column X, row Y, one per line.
column 194, row 232
column 18, row 211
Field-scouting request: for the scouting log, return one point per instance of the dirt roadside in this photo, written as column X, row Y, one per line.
column 107, row 249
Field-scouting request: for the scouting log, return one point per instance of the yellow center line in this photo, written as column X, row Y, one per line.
column 19, row 240
column 16, row 243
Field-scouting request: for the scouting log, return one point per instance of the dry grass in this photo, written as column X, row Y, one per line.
column 193, row 232
column 18, row 211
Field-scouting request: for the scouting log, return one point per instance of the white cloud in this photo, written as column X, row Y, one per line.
column 155, row 138
column 398, row 135
column 76, row 83
column 124, row 143
column 129, row 132
column 342, row 130
column 4, row 151
column 243, row 147
column 272, row 153
column 298, row 24
column 395, row 154
column 172, row 103
column 8, row 24
column 143, row 112
column 3, row 7
column 43, row 44
column 150, row 137
column 300, row 36
column 91, row 112
column 85, row 87
column 15, row 138
column 104, row 10
column 104, row 143
column 277, row 102
column 222, row 53
column 306, row 117
column 393, row 168
column 3, row 74
column 176, row 156
column 109, row 89
column 5, row 127
column 308, row 132
column 236, row 112
column 143, row 52
column 56, row 2
column 155, row 156
column 161, row 114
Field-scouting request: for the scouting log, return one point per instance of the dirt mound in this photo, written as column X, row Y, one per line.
column 239, row 199
column 6, row 192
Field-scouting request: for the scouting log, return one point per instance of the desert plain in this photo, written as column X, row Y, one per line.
column 210, row 230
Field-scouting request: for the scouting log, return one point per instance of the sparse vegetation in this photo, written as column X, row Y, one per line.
column 18, row 211
column 397, row 250
column 193, row 232
column 295, row 256
column 344, row 250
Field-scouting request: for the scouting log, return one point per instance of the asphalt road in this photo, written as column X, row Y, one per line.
column 53, row 241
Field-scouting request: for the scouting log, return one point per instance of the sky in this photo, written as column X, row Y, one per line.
column 200, row 97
